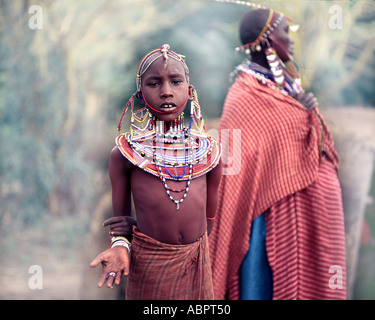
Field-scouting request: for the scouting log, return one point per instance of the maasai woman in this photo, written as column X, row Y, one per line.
column 172, row 172
column 279, row 231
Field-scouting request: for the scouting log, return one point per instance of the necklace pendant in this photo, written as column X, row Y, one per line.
column 178, row 206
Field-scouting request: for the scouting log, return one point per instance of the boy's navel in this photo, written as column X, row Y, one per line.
column 180, row 237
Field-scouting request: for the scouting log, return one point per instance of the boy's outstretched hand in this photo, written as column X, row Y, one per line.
column 115, row 262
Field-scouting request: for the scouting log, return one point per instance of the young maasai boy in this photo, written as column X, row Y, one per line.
column 172, row 172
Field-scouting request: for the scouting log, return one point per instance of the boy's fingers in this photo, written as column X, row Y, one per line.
column 113, row 220
column 102, row 279
column 118, row 278
column 120, row 225
column 99, row 258
column 119, row 232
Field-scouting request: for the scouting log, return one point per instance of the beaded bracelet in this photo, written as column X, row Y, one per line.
column 120, row 241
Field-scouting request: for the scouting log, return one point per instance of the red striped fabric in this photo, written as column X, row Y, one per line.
column 162, row 271
column 278, row 154
column 305, row 241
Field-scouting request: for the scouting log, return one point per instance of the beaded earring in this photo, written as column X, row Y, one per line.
column 142, row 124
column 275, row 65
column 255, row 48
column 138, row 128
column 131, row 103
column 196, row 125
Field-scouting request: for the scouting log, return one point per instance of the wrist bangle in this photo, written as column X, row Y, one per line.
column 119, row 238
column 120, row 241
column 122, row 244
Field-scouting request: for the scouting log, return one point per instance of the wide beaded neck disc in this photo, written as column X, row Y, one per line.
column 177, row 155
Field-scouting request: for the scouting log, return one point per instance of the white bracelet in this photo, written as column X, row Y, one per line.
column 120, row 241
column 122, row 244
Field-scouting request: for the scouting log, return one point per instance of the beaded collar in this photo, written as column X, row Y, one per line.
column 176, row 155
column 265, row 76
column 170, row 155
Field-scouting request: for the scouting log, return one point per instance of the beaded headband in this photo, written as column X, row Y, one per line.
column 273, row 20
column 152, row 56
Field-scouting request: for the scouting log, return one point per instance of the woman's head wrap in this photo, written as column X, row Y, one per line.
column 271, row 19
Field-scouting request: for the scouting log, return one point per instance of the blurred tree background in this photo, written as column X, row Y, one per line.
column 63, row 87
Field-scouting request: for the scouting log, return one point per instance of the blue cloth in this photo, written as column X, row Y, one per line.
column 255, row 272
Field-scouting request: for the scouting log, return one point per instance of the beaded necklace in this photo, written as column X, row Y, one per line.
column 188, row 163
column 266, row 77
column 170, row 150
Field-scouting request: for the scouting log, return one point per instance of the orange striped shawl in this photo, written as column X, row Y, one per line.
column 279, row 156
column 305, row 240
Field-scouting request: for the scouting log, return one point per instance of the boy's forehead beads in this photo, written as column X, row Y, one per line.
column 285, row 76
column 168, row 150
column 152, row 56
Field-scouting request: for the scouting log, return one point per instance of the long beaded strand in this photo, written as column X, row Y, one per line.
column 163, row 180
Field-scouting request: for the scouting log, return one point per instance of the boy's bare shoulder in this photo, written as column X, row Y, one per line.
column 117, row 160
